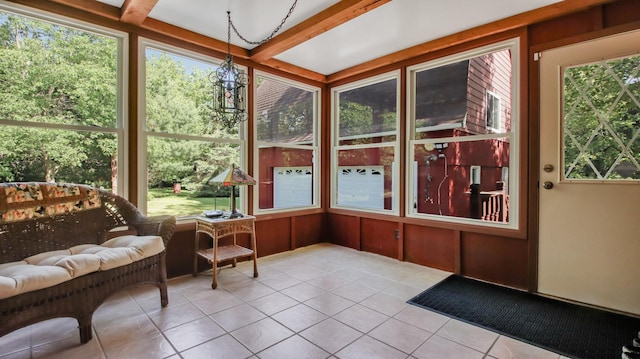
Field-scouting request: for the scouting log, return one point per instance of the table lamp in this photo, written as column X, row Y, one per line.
column 233, row 177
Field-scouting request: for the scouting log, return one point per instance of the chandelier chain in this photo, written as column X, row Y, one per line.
column 275, row 31
column 229, row 32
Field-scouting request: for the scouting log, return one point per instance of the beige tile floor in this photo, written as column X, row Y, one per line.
column 321, row 301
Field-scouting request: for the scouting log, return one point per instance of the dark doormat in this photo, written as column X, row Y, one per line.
column 571, row 330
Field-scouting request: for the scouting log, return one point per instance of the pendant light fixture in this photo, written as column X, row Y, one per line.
column 230, row 83
column 229, row 89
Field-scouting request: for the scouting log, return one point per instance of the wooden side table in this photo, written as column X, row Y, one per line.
column 218, row 228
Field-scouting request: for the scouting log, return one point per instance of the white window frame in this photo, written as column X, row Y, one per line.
column 315, row 145
column 475, row 175
column 143, row 44
column 336, row 147
column 494, row 99
column 122, row 121
column 505, row 179
column 514, row 135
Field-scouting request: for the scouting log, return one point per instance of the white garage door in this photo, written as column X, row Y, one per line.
column 361, row 186
column 293, row 187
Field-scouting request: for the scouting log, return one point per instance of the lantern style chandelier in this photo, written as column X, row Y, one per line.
column 230, row 83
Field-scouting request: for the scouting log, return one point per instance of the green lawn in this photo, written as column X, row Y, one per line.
column 164, row 201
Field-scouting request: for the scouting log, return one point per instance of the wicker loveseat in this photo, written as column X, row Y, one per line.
column 65, row 248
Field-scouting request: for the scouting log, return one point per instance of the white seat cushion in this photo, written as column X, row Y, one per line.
column 50, row 268
column 21, row 277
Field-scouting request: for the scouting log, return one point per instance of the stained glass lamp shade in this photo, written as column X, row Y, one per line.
column 233, row 177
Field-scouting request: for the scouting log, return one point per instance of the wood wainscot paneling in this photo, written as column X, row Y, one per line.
column 495, row 259
column 307, row 230
column 431, row 247
column 273, row 236
column 180, row 251
column 379, row 237
column 344, row 230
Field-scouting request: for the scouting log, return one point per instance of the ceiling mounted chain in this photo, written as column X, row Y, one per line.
column 275, row 31
column 230, row 83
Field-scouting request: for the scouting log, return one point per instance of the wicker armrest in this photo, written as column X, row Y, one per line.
column 163, row 226
column 125, row 213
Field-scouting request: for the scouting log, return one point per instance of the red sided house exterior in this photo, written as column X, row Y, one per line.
column 470, row 97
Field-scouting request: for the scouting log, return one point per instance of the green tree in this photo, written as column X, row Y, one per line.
column 179, row 102
column 601, row 118
column 56, row 75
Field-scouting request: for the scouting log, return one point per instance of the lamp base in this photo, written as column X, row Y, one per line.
column 234, row 213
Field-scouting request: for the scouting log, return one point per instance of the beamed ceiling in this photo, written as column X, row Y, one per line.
column 328, row 40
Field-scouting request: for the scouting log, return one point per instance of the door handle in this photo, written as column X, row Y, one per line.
column 547, row 185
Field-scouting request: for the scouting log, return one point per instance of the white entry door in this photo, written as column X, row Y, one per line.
column 589, row 229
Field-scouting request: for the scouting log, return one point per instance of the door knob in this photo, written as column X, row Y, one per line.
column 547, row 185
